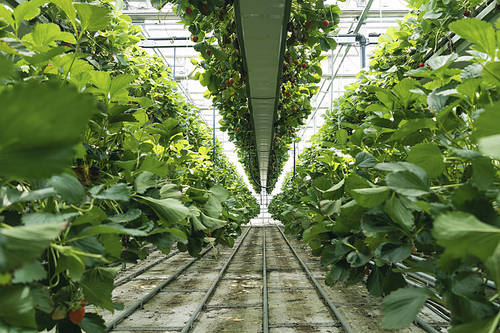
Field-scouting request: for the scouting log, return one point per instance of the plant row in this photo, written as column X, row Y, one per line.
column 100, row 159
column 213, row 28
column 407, row 164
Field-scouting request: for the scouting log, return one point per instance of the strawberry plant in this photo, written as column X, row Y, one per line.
column 101, row 157
column 223, row 75
column 407, row 163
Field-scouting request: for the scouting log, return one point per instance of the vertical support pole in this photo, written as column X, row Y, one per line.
column 213, row 149
column 175, row 59
column 294, row 160
column 363, row 55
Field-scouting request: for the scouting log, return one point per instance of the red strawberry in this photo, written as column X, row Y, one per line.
column 304, row 66
column 189, row 11
column 294, row 110
column 157, row 98
column 467, row 13
column 231, row 80
column 296, row 62
column 291, row 131
column 326, row 23
column 129, row 102
column 421, row 65
column 208, row 52
column 308, row 24
column 367, row 271
column 223, row 70
column 287, row 94
column 76, row 316
column 194, row 38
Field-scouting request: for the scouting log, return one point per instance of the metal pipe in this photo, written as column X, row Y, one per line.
column 175, row 58
column 213, row 149
column 129, row 277
column 151, row 294
column 190, row 322
column 319, row 289
column 294, row 160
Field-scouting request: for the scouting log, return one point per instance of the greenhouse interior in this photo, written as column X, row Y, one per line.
column 249, row 166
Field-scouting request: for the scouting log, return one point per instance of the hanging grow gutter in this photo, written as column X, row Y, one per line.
column 261, row 26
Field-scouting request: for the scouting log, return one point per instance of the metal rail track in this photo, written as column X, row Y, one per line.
column 140, row 303
column 265, row 305
column 345, row 325
column 133, row 275
column 189, row 324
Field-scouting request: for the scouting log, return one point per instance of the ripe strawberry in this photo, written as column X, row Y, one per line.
column 157, row 98
column 208, row 52
column 189, row 11
column 308, row 24
column 129, row 102
column 294, row 110
column 287, row 94
column 326, row 23
column 291, row 131
column 296, row 62
column 223, row 70
column 194, row 39
column 367, row 271
column 304, row 66
column 231, row 80
column 76, row 316
column 421, row 65
column 467, row 13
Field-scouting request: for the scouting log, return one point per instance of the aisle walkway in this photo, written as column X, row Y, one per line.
column 226, row 290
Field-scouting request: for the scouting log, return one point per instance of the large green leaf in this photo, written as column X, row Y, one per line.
column 16, row 306
column 30, row 272
column 370, row 197
column 480, row 33
column 97, row 285
column 482, row 326
column 460, row 234
column 69, row 188
column 428, row 157
column 93, row 17
column 38, row 131
column 399, row 213
column 408, row 183
column 19, row 245
column 402, row 306
column 490, row 145
column 169, row 210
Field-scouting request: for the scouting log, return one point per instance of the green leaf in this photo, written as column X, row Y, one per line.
column 20, row 245
column 109, row 228
column 116, row 192
column 27, row 10
column 113, row 244
column 6, row 15
column 40, row 143
column 483, row 173
column 16, row 306
column 44, row 35
column 370, row 197
column 69, row 188
column 486, row 123
column 130, row 215
column 393, row 253
column 402, row 306
column 428, row 157
column 93, row 323
column 144, row 181
column 93, row 17
column 67, row 7
column 30, row 272
column 169, row 210
column 460, row 233
column 170, row 191
column 212, row 223
column 493, row 266
column 399, row 213
column 481, row 326
column 45, row 218
column 365, row 160
column 408, row 183
column 97, row 285
column 480, row 33
column 490, row 146
column 407, row 127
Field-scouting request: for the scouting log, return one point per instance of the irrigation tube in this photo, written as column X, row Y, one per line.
column 265, row 307
column 190, row 322
column 319, row 289
column 129, row 277
column 151, row 294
